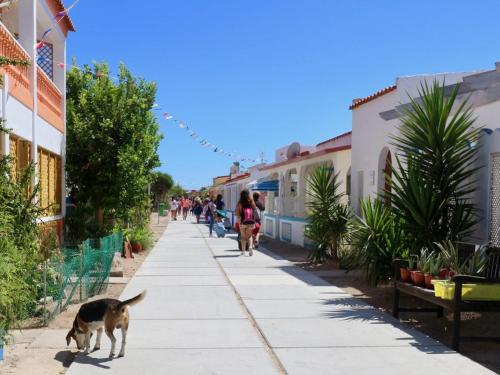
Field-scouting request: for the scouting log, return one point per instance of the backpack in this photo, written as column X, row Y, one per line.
column 219, row 229
column 247, row 216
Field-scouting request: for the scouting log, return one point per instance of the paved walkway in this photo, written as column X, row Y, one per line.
column 210, row 311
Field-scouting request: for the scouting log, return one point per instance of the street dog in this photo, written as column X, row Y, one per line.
column 106, row 314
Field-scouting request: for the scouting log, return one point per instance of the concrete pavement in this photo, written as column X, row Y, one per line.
column 210, row 311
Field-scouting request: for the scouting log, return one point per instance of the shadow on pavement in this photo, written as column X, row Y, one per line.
column 66, row 357
column 98, row 362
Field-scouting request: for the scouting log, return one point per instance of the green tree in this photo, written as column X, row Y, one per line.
column 435, row 169
column 328, row 218
column 112, row 143
column 162, row 183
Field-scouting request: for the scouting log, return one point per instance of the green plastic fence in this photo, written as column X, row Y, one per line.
column 82, row 272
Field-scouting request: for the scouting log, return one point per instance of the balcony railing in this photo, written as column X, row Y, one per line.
column 50, row 101
column 19, row 83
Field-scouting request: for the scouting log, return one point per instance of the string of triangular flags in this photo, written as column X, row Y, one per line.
column 203, row 142
column 58, row 17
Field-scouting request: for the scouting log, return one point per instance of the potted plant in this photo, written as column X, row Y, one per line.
column 433, row 270
column 405, row 272
column 134, row 237
column 418, row 274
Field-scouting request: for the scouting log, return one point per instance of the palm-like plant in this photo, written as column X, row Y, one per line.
column 328, row 218
column 377, row 239
column 434, row 173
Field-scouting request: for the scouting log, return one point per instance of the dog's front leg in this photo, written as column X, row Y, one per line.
column 113, row 342
column 98, row 340
column 87, row 342
column 124, row 341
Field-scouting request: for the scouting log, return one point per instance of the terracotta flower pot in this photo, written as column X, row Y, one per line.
column 405, row 275
column 446, row 273
column 417, row 277
column 136, row 247
column 428, row 280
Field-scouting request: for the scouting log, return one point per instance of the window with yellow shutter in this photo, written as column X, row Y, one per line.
column 50, row 182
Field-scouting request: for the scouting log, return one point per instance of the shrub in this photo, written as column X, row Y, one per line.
column 377, row 239
column 328, row 218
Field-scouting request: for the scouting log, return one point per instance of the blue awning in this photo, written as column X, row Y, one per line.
column 270, row 185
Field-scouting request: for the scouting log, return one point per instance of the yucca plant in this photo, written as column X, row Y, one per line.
column 434, row 174
column 328, row 218
column 377, row 239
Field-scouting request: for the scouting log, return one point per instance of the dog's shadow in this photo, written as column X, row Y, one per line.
column 67, row 357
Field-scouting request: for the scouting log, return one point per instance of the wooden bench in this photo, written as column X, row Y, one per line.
column 457, row 305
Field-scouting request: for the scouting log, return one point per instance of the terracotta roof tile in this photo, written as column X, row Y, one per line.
column 334, row 138
column 358, row 102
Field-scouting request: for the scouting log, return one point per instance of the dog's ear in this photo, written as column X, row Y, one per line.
column 69, row 336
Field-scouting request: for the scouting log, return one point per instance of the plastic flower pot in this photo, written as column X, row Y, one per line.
column 417, row 277
column 405, row 275
column 472, row 292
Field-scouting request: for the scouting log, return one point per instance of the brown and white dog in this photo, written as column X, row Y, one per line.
column 104, row 313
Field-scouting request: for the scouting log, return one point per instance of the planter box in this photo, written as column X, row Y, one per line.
column 470, row 292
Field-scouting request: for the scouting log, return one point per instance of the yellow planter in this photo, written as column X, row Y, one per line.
column 470, row 292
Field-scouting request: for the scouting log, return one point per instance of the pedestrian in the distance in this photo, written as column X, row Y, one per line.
column 211, row 214
column 185, row 203
column 260, row 208
column 245, row 213
column 174, row 205
column 197, row 209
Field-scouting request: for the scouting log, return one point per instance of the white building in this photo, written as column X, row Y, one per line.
column 33, row 100
column 376, row 117
column 284, row 185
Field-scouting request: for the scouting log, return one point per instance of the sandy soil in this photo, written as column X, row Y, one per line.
column 25, row 357
column 381, row 297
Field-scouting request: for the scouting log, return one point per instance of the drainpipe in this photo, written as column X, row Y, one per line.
column 63, row 148
column 34, row 114
column 5, row 136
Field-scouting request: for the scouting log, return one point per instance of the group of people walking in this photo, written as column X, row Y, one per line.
column 248, row 214
column 180, row 206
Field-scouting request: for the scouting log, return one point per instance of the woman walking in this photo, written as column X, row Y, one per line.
column 197, row 209
column 210, row 215
column 245, row 212
column 173, row 209
column 260, row 211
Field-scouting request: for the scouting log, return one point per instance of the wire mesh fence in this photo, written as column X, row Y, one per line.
column 79, row 273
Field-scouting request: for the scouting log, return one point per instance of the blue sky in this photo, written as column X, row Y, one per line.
column 253, row 76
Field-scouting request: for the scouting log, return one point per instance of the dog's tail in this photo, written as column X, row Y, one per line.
column 132, row 301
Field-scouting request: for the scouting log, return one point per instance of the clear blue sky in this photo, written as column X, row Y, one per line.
column 256, row 75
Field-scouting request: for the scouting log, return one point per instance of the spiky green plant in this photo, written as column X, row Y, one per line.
column 434, row 174
column 328, row 218
column 377, row 239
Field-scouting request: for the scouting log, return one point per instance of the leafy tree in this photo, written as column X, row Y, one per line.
column 328, row 218
column 434, row 174
column 112, row 142
column 177, row 190
column 162, row 183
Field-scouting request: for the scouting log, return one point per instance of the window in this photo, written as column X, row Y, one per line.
column 50, row 177
column 20, row 151
column 45, row 59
